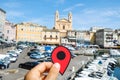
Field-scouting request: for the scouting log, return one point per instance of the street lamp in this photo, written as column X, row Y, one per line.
column 75, row 38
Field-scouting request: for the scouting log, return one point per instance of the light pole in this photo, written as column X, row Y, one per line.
column 75, row 38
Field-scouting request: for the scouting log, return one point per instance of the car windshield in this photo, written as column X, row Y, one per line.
column 1, row 62
column 11, row 51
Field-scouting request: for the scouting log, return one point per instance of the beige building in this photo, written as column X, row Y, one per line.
column 51, row 36
column 63, row 25
column 29, row 32
column 9, row 31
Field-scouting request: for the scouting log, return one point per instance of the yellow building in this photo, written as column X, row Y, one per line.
column 92, row 37
column 29, row 32
column 63, row 25
column 51, row 36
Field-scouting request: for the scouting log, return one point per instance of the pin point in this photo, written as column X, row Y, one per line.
column 62, row 56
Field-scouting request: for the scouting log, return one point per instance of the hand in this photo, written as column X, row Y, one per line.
column 38, row 72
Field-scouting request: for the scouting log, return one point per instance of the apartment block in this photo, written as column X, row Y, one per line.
column 2, row 22
column 105, row 37
column 29, row 32
column 9, row 31
column 81, row 37
column 117, row 40
column 51, row 36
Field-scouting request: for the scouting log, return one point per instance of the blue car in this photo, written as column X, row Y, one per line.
column 36, row 56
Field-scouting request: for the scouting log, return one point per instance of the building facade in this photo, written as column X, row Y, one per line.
column 117, row 38
column 104, row 38
column 9, row 31
column 63, row 25
column 50, row 36
column 29, row 32
column 79, row 37
column 2, row 22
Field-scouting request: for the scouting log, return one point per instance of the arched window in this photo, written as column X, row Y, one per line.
column 56, row 37
column 50, row 36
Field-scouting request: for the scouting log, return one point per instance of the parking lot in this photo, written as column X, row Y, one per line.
column 13, row 72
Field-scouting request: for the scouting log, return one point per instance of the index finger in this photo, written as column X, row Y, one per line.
column 43, row 67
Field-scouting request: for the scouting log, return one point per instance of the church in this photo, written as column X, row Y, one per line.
column 63, row 25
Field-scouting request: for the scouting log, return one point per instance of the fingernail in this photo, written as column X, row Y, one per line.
column 57, row 65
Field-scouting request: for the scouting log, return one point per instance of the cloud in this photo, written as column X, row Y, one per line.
column 112, row 12
column 12, row 4
column 92, row 17
column 73, row 7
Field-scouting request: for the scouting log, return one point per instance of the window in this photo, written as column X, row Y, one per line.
column 56, row 37
column 45, row 37
column 50, row 36
column 22, row 29
column 8, row 31
column 63, row 26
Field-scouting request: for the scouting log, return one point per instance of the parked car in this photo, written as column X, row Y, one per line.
column 28, row 65
column 18, row 51
column 36, row 56
column 4, row 65
column 12, row 52
column 47, row 54
column 33, row 52
column 12, row 58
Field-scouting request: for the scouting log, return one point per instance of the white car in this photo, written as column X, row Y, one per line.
column 12, row 52
column 13, row 59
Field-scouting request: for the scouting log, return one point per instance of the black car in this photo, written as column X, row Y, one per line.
column 28, row 65
column 33, row 52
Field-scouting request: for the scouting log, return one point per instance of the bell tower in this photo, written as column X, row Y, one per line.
column 56, row 16
column 70, row 16
column 70, row 20
column 56, row 19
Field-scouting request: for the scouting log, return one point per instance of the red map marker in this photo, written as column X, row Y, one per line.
column 62, row 56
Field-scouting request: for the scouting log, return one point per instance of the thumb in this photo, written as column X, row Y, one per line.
column 54, row 71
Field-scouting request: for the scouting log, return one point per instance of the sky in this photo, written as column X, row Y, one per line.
column 85, row 13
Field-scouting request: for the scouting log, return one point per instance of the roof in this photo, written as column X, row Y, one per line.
column 50, row 30
column 105, row 29
column 63, row 20
column 31, row 24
